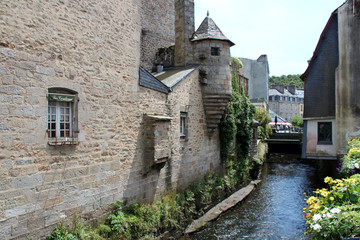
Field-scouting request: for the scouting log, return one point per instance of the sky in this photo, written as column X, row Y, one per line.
column 287, row 31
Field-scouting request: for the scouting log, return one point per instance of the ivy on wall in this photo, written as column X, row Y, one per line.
column 235, row 128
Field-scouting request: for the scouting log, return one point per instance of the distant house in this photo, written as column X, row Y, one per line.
column 286, row 101
column 331, row 101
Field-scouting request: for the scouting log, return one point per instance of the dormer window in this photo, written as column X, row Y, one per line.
column 215, row 51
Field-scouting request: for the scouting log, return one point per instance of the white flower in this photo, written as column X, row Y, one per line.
column 356, row 165
column 317, row 227
column 328, row 215
column 316, row 217
column 335, row 210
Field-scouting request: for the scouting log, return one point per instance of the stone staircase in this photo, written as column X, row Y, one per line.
column 214, row 105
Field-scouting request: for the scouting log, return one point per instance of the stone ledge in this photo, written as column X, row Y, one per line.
column 228, row 203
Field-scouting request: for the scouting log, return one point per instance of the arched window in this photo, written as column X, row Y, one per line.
column 62, row 117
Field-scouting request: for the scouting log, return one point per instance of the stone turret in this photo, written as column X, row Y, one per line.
column 212, row 51
column 208, row 47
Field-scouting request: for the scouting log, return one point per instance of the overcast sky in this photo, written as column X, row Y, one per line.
column 286, row 30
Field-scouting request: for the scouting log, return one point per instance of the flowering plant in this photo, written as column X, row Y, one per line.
column 333, row 213
column 351, row 161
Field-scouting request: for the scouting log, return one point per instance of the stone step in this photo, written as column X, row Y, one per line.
column 214, row 112
column 208, row 96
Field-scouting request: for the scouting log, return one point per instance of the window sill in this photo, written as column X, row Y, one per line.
column 324, row 143
column 63, row 141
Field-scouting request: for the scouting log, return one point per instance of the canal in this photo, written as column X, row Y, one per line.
column 274, row 209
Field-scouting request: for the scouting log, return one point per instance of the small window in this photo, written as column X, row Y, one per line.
column 324, row 133
column 215, row 51
column 183, row 124
column 62, row 117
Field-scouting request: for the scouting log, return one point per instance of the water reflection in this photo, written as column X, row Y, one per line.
column 274, row 209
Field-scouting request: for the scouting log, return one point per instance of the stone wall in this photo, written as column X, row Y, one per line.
column 158, row 29
column 257, row 71
column 92, row 48
column 347, row 102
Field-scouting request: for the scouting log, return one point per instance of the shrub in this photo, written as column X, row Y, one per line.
column 351, row 161
column 264, row 129
column 334, row 213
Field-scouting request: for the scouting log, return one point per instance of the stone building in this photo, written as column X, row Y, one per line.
column 257, row 73
column 287, row 102
column 331, row 102
column 85, row 123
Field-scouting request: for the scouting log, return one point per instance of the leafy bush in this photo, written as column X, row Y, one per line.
column 334, row 213
column 351, row 161
column 262, row 116
column 297, row 121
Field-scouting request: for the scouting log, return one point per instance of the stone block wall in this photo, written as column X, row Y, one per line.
column 92, row 48
column 158, row 29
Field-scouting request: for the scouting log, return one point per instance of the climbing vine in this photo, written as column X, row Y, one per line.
column 236, row 124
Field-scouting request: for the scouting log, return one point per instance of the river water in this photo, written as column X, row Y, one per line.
column 274, row 209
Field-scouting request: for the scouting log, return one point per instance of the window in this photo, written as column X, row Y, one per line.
column 324, row 133
column 183, row 124
column 215, row 51
column 62, row 117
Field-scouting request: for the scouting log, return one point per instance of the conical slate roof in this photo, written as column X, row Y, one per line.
column 209, row 30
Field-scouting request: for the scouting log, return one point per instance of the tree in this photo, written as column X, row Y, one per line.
column 292, row 79
column 297, row 121
column 264, row 129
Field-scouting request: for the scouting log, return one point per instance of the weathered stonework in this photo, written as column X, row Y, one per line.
column 92, row 48
column 158, row 29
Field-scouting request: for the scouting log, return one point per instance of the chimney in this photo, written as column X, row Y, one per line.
column 291, row 89
column 278, row 87
column 184, row 30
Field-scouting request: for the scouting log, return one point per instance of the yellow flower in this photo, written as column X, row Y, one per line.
column 324, row 194
column 332, row 198
column 328, row 179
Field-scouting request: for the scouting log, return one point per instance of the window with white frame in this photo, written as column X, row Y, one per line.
column 62, row 117
column 183, row 124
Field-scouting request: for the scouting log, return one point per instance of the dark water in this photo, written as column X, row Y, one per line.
column 274, row 209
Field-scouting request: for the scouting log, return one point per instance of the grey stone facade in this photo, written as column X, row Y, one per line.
column 286, row 102
column 257, row 72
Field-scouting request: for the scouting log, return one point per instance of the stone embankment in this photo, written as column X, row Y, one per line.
column 228, row 203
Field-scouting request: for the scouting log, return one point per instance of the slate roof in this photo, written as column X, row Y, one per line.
column 209, row 30
column 173, row 76
column 165, row 81
column 149, row 81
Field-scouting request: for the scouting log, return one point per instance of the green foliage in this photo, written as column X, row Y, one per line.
column 236, row 63
column 334, row 213
column 263, row 117
column 293, row 79
column 61, row 233
column 297, row 121
column 243, row 113
column 351, row 161
column 236, row 125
